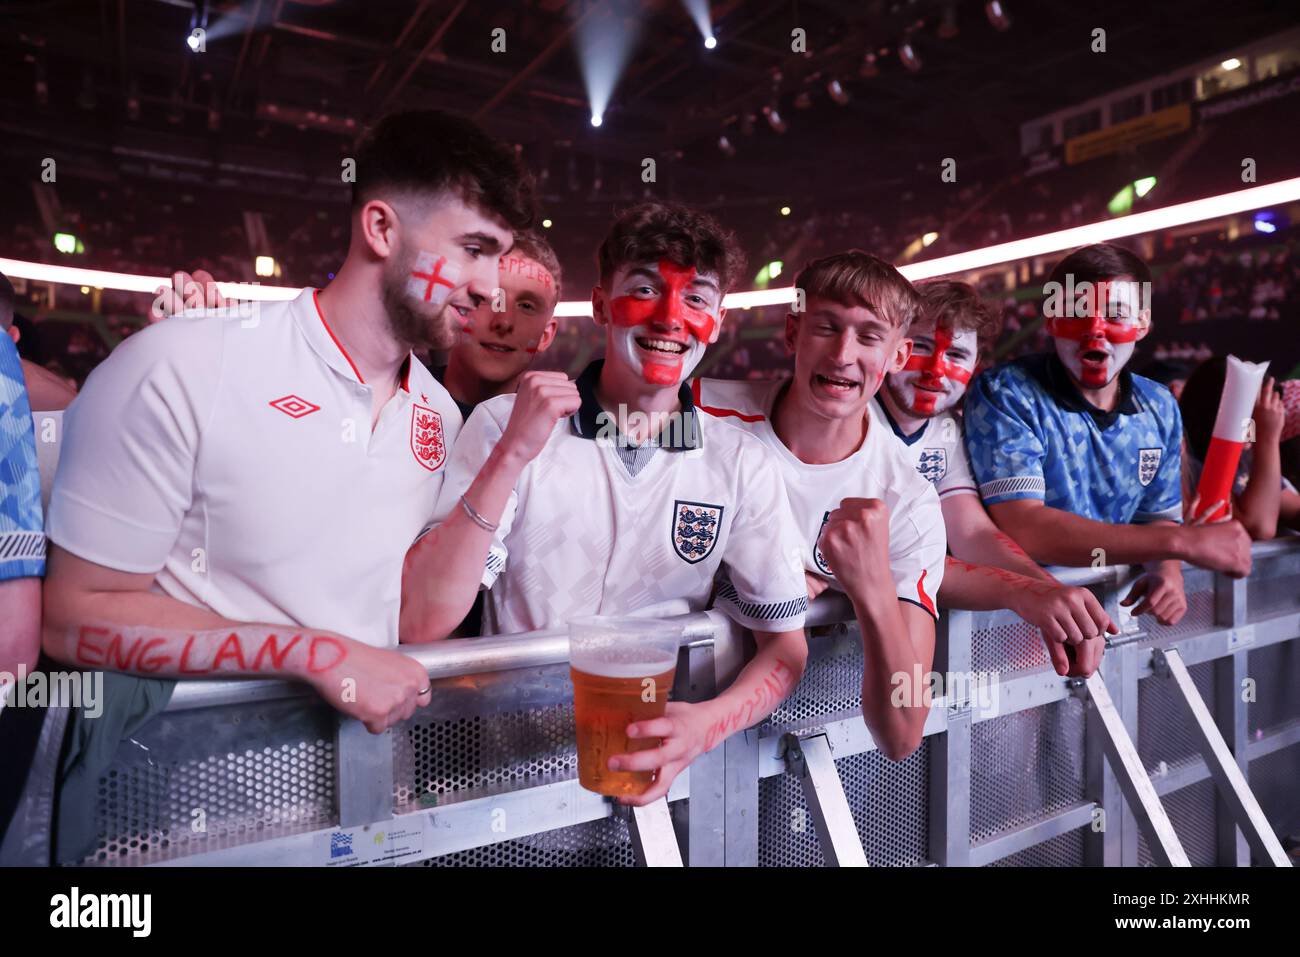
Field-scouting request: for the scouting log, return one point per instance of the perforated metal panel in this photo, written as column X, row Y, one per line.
column 1064, row 850
column 1015, row 646
column 481, row 753
column 889, row 803
column 1191, row 811
column 1275, row 778
column 245, row 774
column 603, row 843
column 1025, row 766
column 832, row 683
column 1165, row 729
column 1271, row 589
column 1275, row 669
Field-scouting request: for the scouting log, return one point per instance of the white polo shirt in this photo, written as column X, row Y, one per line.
column 233, row 459
column 878, row 469
column 584, row 533
column 937, row 450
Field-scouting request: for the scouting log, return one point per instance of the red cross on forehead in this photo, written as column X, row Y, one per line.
column 674, row 274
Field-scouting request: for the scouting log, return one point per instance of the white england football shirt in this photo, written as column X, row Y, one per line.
column 937, row 450
column 233, row 458
column 594, row 530
column 878, row 469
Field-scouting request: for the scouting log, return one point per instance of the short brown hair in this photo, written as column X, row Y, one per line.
column 652, row 231
column 533, row 245
column 428, row 151
column 958, row 306
column 857, row 278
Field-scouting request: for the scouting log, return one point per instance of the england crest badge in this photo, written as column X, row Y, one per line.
column 818, row 558
column 426, row 437
column 695, row 529
column 933, row 464
column 1148, row 464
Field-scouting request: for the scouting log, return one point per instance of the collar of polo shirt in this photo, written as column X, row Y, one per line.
column 587, row 421
column 1053, row 376
column 327, row 345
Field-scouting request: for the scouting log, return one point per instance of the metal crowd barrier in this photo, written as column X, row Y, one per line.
column 1182, row 749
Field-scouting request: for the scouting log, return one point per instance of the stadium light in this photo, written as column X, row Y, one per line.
column 1144, row 185
column 929, row 238
column 265, row 266
column 1153, row 220
column 65, row 243
column 710, row 42
column 546, row 224
column 597, row 119
column 1231, row 63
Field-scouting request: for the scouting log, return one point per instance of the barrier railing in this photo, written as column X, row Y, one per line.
column 1022, row 768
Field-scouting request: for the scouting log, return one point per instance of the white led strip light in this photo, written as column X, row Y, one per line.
column 1196, row 211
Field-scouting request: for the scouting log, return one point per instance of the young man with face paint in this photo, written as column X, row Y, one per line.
column 508, row 329
column 987, row 570
column 871, row 525
column 236, row 492
column 1077, row 458
column 633, row 501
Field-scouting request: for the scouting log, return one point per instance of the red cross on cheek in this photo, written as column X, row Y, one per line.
column 433, row 278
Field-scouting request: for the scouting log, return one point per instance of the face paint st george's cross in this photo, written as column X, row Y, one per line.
column 1097, row 342
column 631, row 314
column 433, row 278
column 930, row 384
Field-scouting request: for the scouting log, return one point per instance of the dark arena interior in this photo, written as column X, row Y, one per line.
column 681, row 433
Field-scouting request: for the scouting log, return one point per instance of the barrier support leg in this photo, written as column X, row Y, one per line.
column 1231, row 783
column 654, row 841
column 1230, row 672
column 950, row 752
column 364, row 773
column 1105, row 724
column 810, row 760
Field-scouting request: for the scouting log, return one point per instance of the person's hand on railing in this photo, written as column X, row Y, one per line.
column 1160, row 593
column 197, row 291
column 376, row 686
column 1218, row 546
column 682, row 733
column 1073, row 623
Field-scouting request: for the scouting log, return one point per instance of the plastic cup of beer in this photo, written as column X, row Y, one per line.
column 622, row 670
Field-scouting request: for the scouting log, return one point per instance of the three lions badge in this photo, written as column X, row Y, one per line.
column 1148, row 464
column 695, row 529
column 426, row 437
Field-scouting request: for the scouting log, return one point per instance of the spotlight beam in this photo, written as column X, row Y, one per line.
column 560, row 41
column 1167, row 217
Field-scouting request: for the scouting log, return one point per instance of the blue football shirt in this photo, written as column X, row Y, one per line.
column 1032, row 435
column 22, row 535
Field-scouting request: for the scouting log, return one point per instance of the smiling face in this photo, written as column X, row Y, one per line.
column 441, row 263
column 1100, row 331
column 497, row 346
column 841, row 356
column 934, row 378
column 659, row 317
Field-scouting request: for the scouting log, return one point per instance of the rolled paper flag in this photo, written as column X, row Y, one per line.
column 1231, row 427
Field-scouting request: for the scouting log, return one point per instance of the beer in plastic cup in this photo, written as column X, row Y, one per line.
column 622, row 670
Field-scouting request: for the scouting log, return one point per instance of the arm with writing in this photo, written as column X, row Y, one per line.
column 989, row 570
column 99, row 617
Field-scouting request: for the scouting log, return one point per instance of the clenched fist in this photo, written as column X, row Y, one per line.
column 543, row 399
column 855, row 543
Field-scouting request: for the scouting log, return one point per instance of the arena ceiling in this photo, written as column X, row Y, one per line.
column 282, row 86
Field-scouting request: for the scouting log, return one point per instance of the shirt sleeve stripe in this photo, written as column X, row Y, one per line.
column 771, row 611
column 1015, row 483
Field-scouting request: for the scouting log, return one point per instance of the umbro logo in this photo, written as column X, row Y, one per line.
column 293, row 406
